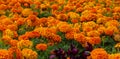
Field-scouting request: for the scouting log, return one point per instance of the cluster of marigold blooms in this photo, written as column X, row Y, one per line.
column 87, row 18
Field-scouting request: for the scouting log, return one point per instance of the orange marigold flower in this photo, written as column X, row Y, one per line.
column 73, row 15
column 41, row 47
column 69, row 35
column 93, row 40
column 29, row 54
column 54, row 7
column 114, row 56
column 93, row 33
column 109, row 30
column 80, row 37
column 62, row 17
column 64, row 27
column 74, row 21
column 13, row 42
column 116, row 9
column 55, row 38
column 112, row 23
column 101, row 29
column 99, row 53
column 24, row 44
column 117, row 37
column 2, row 27
column 23, row 37
column 7, row 21
column 6, row 39
column 3, row 7
column 32, row 34
column 80, row 9
column 4, row 54
column 20, row 21
column 26, row 12
column 8, row 32
column 12, row 27
column 16, row 51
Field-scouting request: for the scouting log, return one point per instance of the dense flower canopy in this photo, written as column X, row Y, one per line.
column 59, row 29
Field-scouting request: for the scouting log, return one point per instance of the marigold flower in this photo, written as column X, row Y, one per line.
column 6, row 39
column 80, row 37
column 93, row 40
column 62, row 17
column 55, row 7
column 13, row 42
column 109, row 30
column 32, row 34
column 69, row 35
column 73, row 15
column 24, row 44
column 2, row 27
column 74, row 21
column 55, row 38
column 15, row 51
column 12, row 27
column 7, row 21
column 26, row 12
column 112, row 23
column 29, row 54
column 99, row 53
column 64, row 27
column 20, row 21
column 41, row 47
column 23, row 37
column 117, row 37
column 116, row 9
column 114, row 56
column 93, row 33
column 4, row 54
column 8, row 32
column 101, row 29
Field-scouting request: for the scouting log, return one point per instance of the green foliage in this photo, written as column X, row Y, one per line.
column 44, row 14
column 108, row 44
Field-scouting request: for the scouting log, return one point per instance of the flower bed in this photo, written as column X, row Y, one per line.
column 59, row 29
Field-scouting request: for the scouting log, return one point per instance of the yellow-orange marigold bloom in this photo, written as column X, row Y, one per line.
column 99, row 53
column 55, row 7
column 23, row 37
column 41, row 47
column 7, row 21
column 4, row 54
column 6, row 39
column 69, row 35
column 109, row 30
column 24, row 44
column 64, row 27
column 80, row 37
column 29, row 54
column 117, row 37
column 114, row 56
column 32, row 34
column 101, row 29
column 55, row 38
column 116, row 9
column 13, row 42
column 93, row 33
column 112, row 23
column 93, row 40
column 8, row 32
column 73, row 15
column 62, row 17
column 26, row 12
column 12, row 27
column 15, row 50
